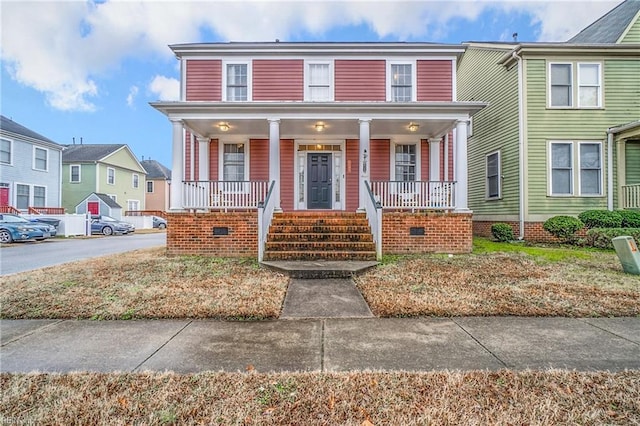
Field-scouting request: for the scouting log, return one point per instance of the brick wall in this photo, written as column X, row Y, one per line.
column 533, row 231
column 192, row 233
column 443, row 233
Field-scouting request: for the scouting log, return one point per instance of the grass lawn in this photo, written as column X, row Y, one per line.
column 497, row 279
column 496, row 398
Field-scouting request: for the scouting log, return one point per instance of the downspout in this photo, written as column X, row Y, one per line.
column 520, row 144
column 610, row 169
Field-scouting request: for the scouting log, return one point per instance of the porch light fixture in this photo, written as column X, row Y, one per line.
column 224, row 127
column 319, row 126
column 413, row 127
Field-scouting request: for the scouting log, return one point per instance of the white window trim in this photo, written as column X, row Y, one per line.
column 153, row 187
column 486, row 178
column 550, row 169
column 599, row 86
column 14, row 201
column 579, row 169
column 133, row 180
column 10, row 163
column 221, row 145
column 300, row 160
column 332, row 86
column 33, row 195
column 549, row 85
column 114, row 176
column 133, row 201
column 414, row 77
column 392, row 157
column 249, row 64
column 35, row 148
column 71, row 166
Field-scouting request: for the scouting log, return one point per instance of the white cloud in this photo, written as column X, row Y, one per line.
column 165, row 88
column 68, row 46
column 133, row 92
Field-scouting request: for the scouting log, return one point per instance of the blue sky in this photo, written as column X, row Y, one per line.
column 88, row 70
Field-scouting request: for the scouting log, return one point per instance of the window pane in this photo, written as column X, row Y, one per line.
column 401, row 83
column 493, row 178
column 493, row 188
column 41, row 159
column 561, row 182
column 589, row 155
column 39, row 196
column 150, row 186
column 319, row 74
column 237, row 82
column 590, row 169
column 233, row 162
column 319, row 93
column 22, row 196
column 5, row 151
column 589, row 96
column 590, row 182
column 589, row 74
column 75, row 173
column 561, row 96
column 561, row 155
column 561, row 74
column 405, row 167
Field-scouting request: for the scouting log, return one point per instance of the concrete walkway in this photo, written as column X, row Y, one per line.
column 466, row 343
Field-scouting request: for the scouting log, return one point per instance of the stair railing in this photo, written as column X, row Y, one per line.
column 373, row 209
column 265, row 215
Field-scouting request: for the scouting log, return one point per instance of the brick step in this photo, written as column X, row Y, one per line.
column 315, row 255
column 319, row 229
column 320, row 221
column 317, row 214
column 319, row 246
column 311, row 237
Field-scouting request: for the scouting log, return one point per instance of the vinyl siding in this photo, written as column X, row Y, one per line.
column 621, row 93
column 495, row 127
column 259, row 159
column 286, row 174
column 360, row 80
column 188, row 155
column 123, row 188
column 352, row 175
column 380, row 157
column 278, row 80
column 632, row 162
column 204, row 80
column 213, row 159
column 123, row 159
column 73, row 193
column 434, row 80
column 633, row 35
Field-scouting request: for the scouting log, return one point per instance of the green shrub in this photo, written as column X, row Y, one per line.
column 601, row 237
column 502, row 232
column 630, row 218
column 600, row 219
column 563, row 227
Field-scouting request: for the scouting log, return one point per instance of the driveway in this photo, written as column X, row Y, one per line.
column 21, row 257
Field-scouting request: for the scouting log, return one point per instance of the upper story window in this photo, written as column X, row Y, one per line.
column 401, row 85
column 587, row 93
column 6, row 150
column 237, row 78
column 40, row 158
column 135, row 182
column 149, row 186
column 74, row 171
column 111, row 176
column 493, row 175
column 319, row 81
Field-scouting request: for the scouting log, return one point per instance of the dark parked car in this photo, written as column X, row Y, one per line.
column 106, row 225
column 16, row 228
column 48, row 220
column 159, row 222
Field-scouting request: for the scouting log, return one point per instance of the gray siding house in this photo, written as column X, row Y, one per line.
column 30, row 168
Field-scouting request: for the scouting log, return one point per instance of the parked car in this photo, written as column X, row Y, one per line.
column 16, row 228
column 48, row 220
column 106, row 225
column 159, row 222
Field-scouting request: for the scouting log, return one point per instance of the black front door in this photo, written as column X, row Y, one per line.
column 319, row 181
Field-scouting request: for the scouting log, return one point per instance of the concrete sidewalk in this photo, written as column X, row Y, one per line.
column 465, row 343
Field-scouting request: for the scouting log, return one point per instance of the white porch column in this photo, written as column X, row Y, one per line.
column 177, row 165
column 434, row 160
column 363, row 159
column 274, row 159
column 203, row 158
column 461, row 167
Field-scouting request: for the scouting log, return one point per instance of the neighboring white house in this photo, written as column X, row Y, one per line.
column 30, row 168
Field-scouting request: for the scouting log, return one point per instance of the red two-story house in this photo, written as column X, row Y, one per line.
column 268, row 137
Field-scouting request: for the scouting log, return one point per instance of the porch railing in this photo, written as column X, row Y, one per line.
column 46, row 210
column 265, row 214
column 223, row 195
column 9, row 209
column 415, row 195
column 374, row 215
column 631, row 196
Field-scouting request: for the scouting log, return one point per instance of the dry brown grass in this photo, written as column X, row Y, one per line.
column 145, row 284
column 473, row 398
column 501, row 284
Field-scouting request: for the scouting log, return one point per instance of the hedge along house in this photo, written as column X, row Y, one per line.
column 561, row 133
column 292, row 150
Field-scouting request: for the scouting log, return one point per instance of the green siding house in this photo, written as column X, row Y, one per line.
column 561, row 133
column 110, row 169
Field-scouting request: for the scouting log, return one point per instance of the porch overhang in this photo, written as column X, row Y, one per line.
column 298, row 119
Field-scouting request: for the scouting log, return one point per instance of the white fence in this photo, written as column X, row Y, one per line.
column 432, row 195
column 631, row 197
column 140, row 222
column 71, row 225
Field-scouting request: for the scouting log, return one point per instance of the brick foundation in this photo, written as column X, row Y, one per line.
column 443, row 233
column 192, row 233
column 533, row 231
